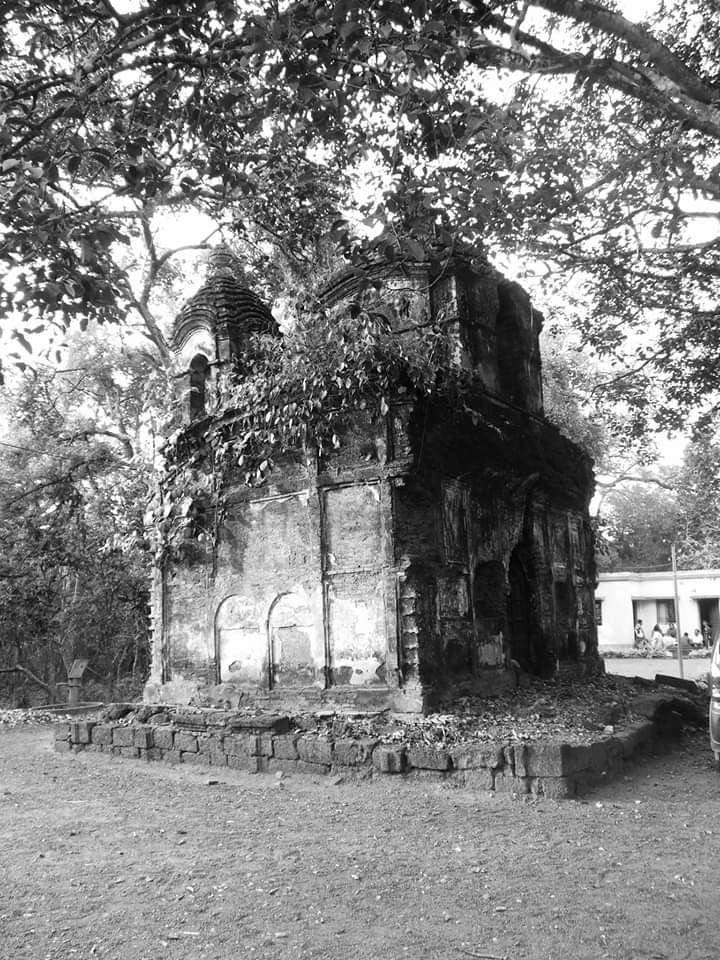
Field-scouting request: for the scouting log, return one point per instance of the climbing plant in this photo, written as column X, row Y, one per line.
column 297, row 395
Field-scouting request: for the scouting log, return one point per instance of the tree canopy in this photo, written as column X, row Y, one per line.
column 647, row 509
column 557, row 132
column 75, row 478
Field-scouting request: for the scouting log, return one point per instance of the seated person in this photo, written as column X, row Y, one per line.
column 657, row 640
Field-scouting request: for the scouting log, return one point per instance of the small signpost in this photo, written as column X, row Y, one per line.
column 77, row 669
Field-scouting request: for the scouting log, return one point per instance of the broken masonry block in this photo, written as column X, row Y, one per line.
column 270, row 723
column 239, row 746
column 186, row 742
column 285, row 746
column 468, row 756
column 216, row 758
column 123, row 736
column 389, row 759
column 428, row 758
column 163, row 737
column 315, row 749
column 143, row 738
column 62, row 731
column 102, row 734
column 354, row 753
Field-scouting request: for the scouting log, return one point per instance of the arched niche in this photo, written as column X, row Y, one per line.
column 240, row 643
column 522, row 610
column 198, row 384
column 297, row 658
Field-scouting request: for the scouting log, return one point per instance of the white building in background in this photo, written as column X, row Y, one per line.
column 621, row 599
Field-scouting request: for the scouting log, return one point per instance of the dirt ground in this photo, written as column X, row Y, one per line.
column 109, row 858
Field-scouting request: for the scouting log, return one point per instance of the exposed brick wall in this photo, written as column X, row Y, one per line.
column 388, row 571
column 270, row 744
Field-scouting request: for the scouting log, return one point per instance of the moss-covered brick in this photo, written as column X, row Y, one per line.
column 63, row 746
column 264, row 745
column 123, row 737
column 239, row 745
column 315, row 749
column 163, row 737
column 210, row 743
column 554, row 759
column 258, row 764
column 217, row 758
column 353, row 753
column 151, row 753
column 102, row 734
column 389, row 758
column 131, row 753
column 192, row 756
column 285, row 746
column 186, row 742
column 503, row 781
column 478, row 778
column 61, row 731
column 143, row 738
column 428, row 758
column 470, row 756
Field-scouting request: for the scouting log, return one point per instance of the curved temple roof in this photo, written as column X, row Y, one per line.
column 223, row 302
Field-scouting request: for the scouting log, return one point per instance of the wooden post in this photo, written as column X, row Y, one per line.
column 677, row 608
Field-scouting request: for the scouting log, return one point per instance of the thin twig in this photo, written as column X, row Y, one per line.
column 482, row 956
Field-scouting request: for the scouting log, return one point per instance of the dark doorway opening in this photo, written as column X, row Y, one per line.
column 199, row 373
column 709, row 612
column 565, row 620
column 523, row 625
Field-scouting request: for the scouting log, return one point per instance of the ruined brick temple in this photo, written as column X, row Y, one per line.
column 438, row 550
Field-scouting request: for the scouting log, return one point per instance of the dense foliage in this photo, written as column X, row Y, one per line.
column 555, row 130
column 577, row 148
column 74, row 571
column 646, row 510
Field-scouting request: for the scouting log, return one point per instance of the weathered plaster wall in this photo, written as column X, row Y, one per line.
column 445, row 544
column 297, row 596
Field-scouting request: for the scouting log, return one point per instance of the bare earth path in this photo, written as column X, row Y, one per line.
column 107, row 858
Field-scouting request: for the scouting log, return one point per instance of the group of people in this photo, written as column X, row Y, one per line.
column 663, row 642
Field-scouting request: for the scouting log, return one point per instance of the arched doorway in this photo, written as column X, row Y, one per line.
column 490, row 614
